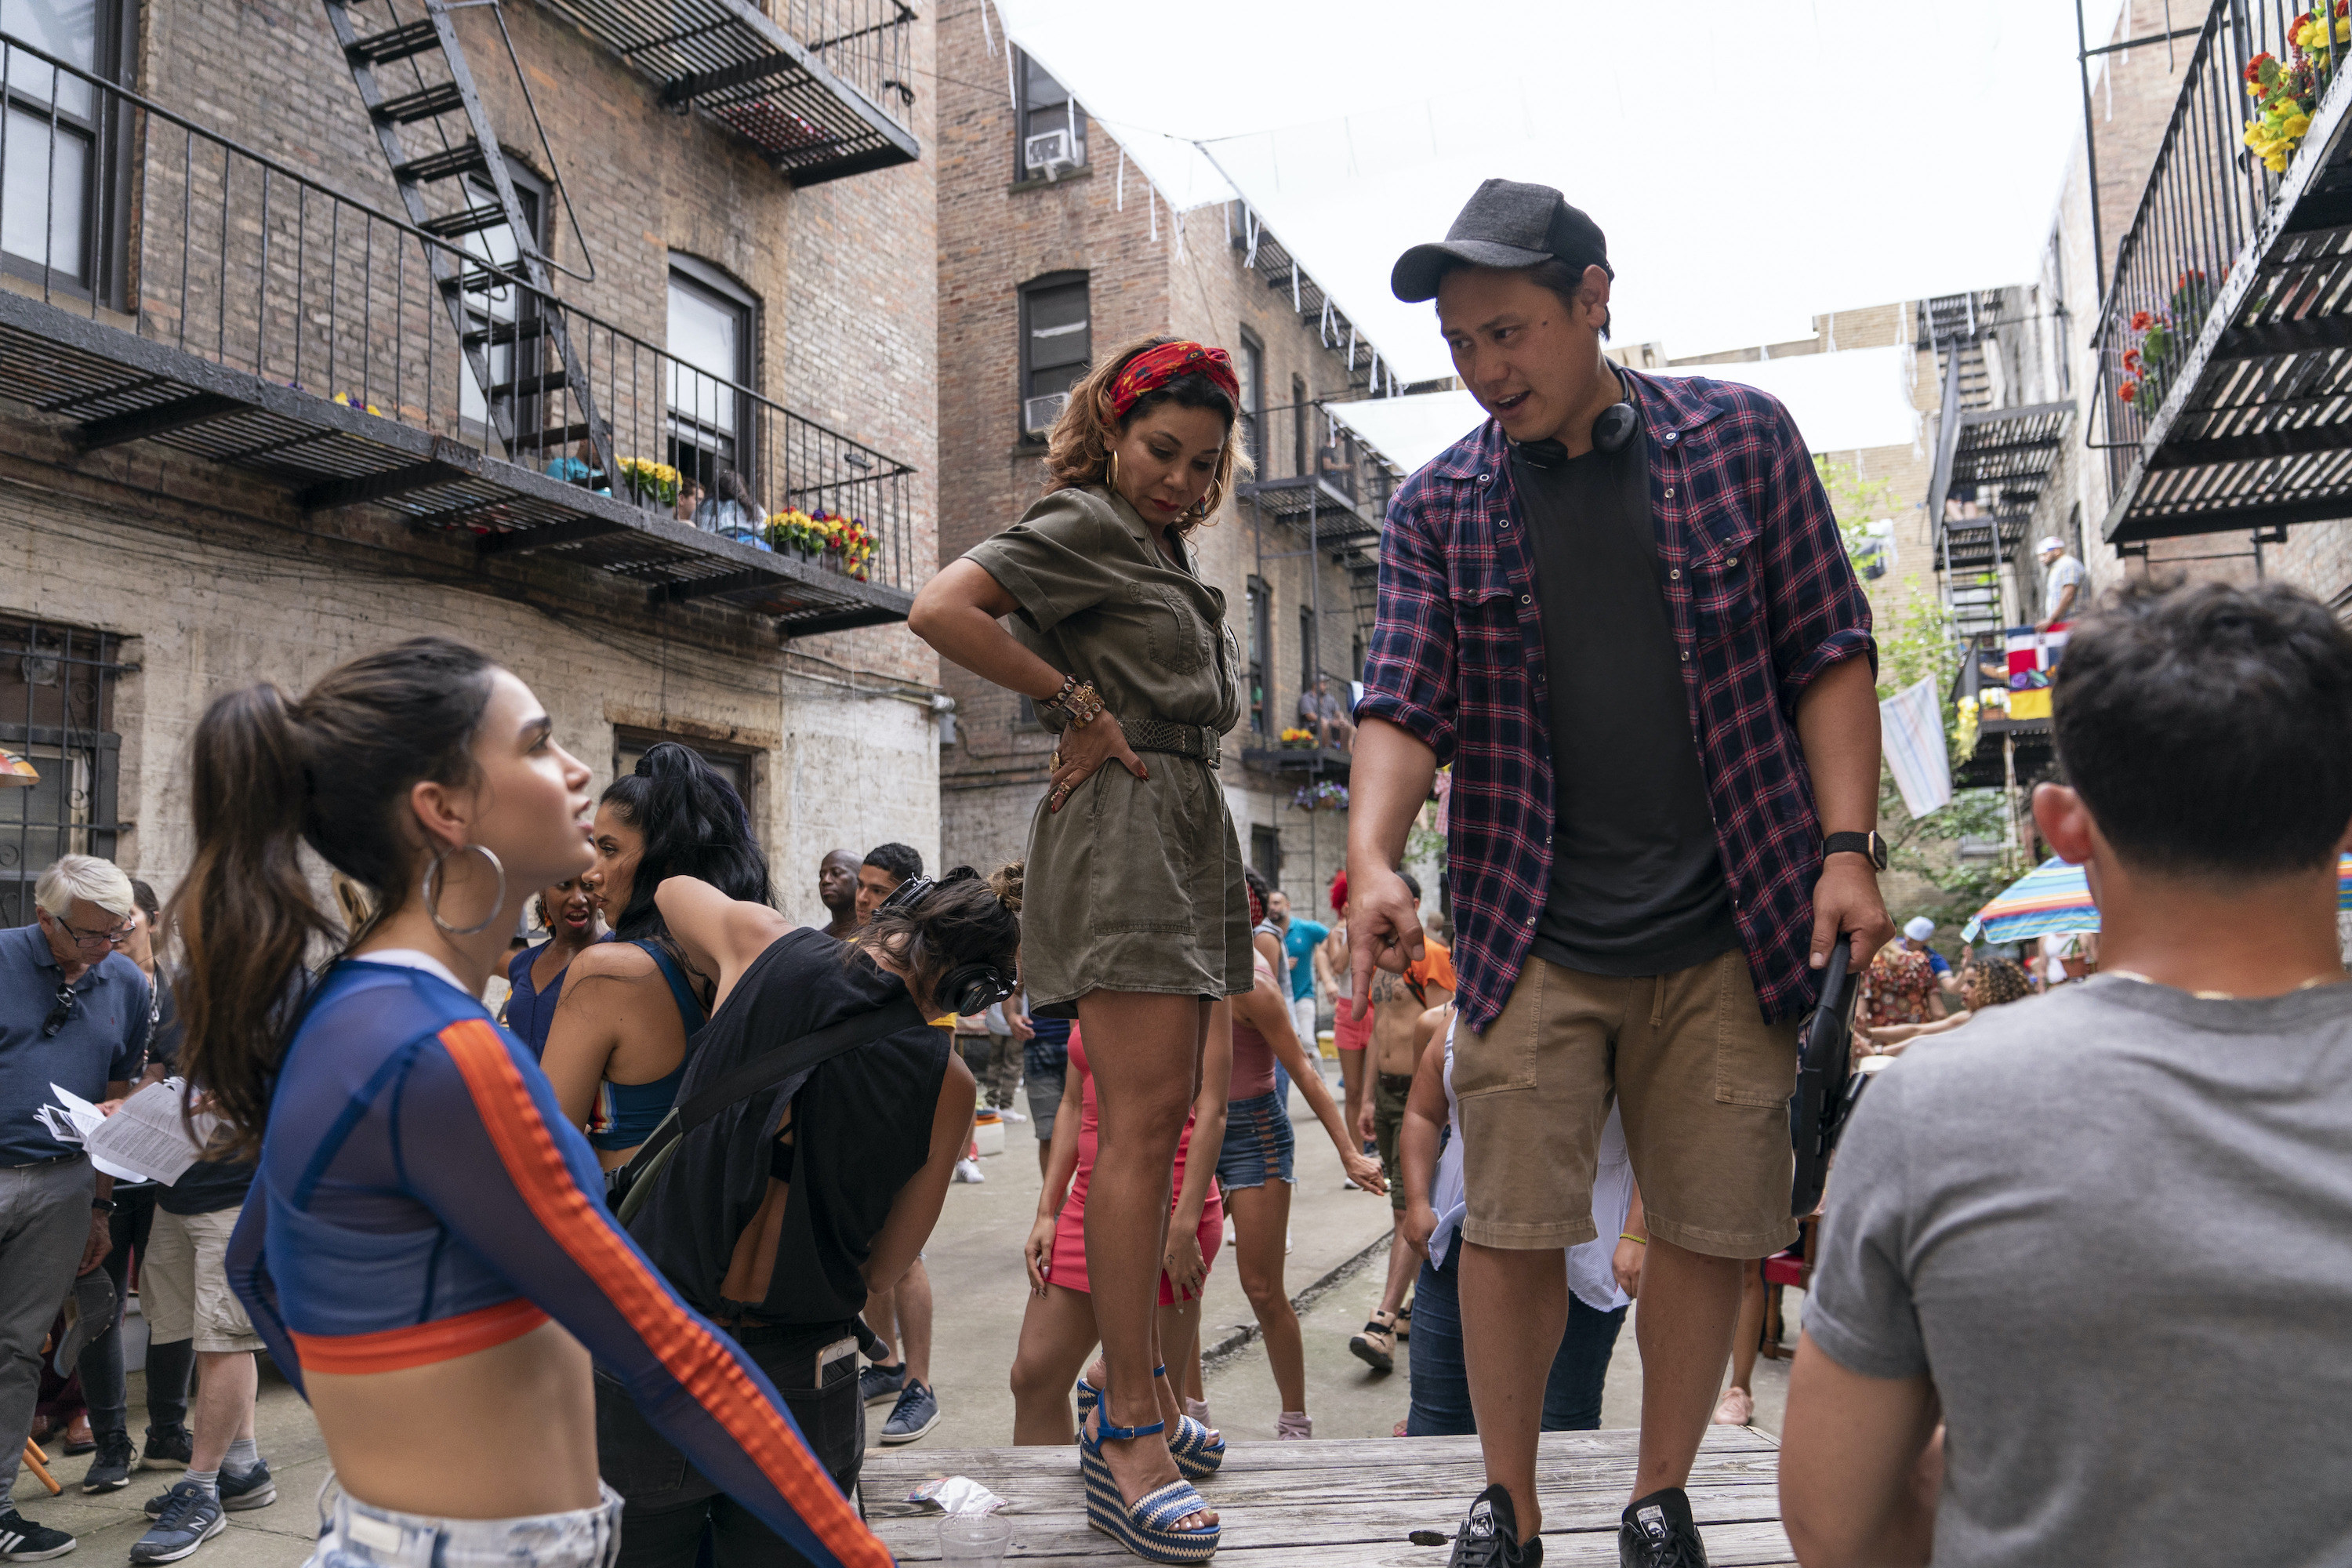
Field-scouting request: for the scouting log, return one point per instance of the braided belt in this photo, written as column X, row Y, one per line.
column 1183, row 739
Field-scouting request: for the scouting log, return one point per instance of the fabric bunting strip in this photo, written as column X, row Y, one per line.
column 989, row 37
column 1122, row 179
column 1250, row 229
column 1152, row 200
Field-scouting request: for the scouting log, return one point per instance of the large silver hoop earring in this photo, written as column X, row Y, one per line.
column 1110, row 471
column 426, row 891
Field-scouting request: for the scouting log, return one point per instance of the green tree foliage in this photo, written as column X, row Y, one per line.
column 1919, row 643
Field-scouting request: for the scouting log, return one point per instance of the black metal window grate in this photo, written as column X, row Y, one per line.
column 56, row 712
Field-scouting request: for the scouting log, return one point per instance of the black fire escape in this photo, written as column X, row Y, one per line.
column 2224, row 400
column 421, row 364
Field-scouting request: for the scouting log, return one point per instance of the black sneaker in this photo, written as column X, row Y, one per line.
column 917, row 1411
column 1489, row 1537
column 191, row 1516
column 22, row 1541
column 110, row 1470
column 1659, row 1533
column 167, row 1449
column 252, row 1490
column 880, row 1385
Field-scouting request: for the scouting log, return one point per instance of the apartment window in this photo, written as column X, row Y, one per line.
column 1299, row 431
column 505, row 307
column 734, row 766
column 56, row 712
column 1251, row 372
column 1050, row 134
column 1356, row 658
column 1056, row 345
column 1261, row 635
column 711, row 339
column 63, row 214
column 1265, row 854
column 1310, row 657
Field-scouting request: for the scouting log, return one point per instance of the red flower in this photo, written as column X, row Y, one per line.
column 2142, row 320
column 2131, row 360
column 2128, row 390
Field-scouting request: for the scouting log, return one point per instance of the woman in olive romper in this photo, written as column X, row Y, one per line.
column 1137, row 924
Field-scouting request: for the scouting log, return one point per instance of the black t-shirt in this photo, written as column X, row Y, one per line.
column 207, row 1187
column 861, row 1129
column 1637, row 885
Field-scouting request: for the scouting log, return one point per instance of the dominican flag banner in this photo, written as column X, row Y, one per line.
column 2033, row 653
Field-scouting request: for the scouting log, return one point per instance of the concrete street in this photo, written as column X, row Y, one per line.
column 974, row 1259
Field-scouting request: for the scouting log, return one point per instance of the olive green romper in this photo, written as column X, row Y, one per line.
column 1135, row 884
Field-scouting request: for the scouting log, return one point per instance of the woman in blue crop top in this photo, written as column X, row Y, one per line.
column 535, row 975
column 426, row 1249
column 633, row 1006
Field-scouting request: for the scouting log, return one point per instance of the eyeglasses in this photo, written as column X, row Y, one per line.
column 115, row 938
column 66, row 997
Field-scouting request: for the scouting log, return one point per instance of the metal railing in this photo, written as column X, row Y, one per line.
column 142, row 219
column 2205, row 198
column 863, row 42
column 1294, row 443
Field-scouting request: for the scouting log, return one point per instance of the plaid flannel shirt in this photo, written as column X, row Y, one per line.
column 1761, row 599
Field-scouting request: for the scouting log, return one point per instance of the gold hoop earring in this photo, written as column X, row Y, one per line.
column 1111, row 470
column 426, row 891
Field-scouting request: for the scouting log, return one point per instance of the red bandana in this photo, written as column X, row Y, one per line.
column 1155, row 368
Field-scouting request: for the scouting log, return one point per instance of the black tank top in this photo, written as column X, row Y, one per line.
column 861, row 1128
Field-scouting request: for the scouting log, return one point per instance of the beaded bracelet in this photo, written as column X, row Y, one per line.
column 1077, row 701
column 1629, row 1235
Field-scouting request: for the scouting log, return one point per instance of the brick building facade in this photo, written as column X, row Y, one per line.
column 209, row 557
column 1045, row 268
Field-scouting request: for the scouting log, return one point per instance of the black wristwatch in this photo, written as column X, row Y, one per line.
column 1869, row 844
column 103, row 1205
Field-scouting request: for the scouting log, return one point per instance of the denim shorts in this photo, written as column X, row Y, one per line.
column 355, row 1534
column 1044, row 1093
column 1258, row 1143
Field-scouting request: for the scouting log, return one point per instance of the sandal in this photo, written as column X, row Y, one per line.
column 1147, row 1526
column 1199, row 1451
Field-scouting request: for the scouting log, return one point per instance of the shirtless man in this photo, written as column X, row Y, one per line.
column 1398, row 1003
column 836, row 890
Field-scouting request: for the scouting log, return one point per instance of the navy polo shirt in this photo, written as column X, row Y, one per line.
column 104, row 1040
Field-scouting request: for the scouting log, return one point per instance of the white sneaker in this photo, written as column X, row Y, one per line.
column 1010, row 1115
column 969, row 1171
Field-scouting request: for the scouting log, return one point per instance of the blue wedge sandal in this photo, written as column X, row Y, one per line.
column 1148, row 1527
column 1199, row 1452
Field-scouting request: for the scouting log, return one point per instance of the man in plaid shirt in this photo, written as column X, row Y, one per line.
column 1622, row 610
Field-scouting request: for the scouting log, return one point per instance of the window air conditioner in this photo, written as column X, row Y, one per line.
column 1038, row 413
column 1050, row 153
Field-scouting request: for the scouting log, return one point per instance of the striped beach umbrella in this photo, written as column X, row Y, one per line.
column 2056, row 897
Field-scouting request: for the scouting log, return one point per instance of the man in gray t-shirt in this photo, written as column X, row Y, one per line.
column 2104, row 1236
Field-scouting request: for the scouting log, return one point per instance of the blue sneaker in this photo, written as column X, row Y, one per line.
column 191, row 1516
column 252, row 1490
column 917, row 1411
column 880, row 1385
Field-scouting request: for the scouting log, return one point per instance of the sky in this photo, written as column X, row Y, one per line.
column 1752, row 163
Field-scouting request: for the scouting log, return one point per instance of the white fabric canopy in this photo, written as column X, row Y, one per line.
column 1841, row 402
column 1752, row 164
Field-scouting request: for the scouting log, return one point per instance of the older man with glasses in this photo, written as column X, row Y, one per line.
column 73, row 1013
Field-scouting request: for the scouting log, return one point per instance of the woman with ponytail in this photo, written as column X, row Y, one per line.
column 817, row 1172
column 1141, row 927
column 633, row 1007
column 427, row 1251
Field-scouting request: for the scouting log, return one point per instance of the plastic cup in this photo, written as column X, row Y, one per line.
column 973, row 1540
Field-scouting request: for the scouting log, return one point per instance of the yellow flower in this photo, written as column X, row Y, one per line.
column 2295, row 126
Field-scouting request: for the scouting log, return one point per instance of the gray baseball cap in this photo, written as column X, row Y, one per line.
column 1506, row 224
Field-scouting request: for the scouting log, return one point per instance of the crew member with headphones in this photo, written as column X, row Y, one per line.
column 1623, row 611
column 819, row 1122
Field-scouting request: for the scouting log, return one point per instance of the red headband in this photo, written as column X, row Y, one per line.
column 1339, row 891
column 1155, row 368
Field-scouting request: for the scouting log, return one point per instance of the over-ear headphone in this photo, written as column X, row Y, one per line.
column 968, row 988
column 1615, row 426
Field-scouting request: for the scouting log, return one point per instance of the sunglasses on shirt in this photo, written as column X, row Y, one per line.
column 59, row 1014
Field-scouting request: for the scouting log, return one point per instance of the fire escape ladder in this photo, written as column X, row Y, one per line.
column 467, row 157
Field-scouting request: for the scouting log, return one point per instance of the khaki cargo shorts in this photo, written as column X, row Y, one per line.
column 184, row 1290
column 1702, row 1082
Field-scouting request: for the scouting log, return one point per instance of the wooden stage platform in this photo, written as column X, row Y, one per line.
column 1349, row 1503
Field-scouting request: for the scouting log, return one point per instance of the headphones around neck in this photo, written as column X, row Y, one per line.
column 967, row 988
column 1618, row 424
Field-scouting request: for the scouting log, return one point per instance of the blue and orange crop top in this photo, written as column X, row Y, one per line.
column 626, row 1114
column 421, row 1198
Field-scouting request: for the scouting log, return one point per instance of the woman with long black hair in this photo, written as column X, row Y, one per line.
column 632, row 1007
column 426, row 1250
column 1140, row 927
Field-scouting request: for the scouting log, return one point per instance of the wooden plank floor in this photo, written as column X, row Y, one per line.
column 1351, row 1503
